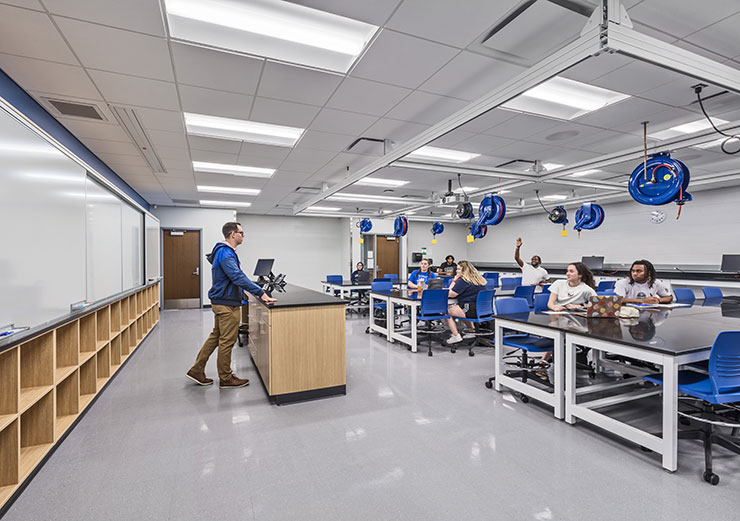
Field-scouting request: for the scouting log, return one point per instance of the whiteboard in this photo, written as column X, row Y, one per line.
column 104, row 266
column 42, row 227
column 132, row 246
column 152, row 246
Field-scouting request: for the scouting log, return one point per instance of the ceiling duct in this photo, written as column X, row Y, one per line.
column 307, row 190
column 368, row 146
column 74, row 109
column 130, row 122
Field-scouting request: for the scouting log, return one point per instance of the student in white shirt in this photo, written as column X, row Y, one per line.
column 642, row 286
column 574, row 291
column 533, row 274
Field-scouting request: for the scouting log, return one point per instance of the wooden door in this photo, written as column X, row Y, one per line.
column 386, row 255
column 182, row 269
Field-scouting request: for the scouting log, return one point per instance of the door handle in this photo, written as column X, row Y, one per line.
column 197, row 271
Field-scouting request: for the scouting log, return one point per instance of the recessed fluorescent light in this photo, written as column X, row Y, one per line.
column 584, row 172
column 686, row 128
column 502, row 192
column 554, row 197
column 218, row 168
column 241, row 130
column 228, row 190
column 564, row 99
column 375, row 181
column 324, row 208
column 224, row 203
column 465, row 189
column 442, row 154
column 281, row 30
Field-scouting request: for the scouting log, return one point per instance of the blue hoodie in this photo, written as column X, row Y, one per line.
column 228, row 278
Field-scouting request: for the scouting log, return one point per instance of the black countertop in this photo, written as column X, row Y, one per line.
column 671, row 331
column 296, row 296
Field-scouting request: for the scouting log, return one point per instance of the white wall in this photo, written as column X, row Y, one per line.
column 210, row 221
column 306, row 249
column 451, row 242
column 708, row 227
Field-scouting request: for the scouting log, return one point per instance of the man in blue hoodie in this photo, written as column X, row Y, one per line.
column 226, row 299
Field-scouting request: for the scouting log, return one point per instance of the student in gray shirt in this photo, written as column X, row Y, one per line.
column 642, row 286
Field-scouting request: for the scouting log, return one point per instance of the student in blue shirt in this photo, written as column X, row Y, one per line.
column 466, row 285
column 422, row 274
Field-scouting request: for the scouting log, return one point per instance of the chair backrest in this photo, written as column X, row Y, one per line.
column 605, row 285
column 381, row 285
column 712, row 292
column 393, row 277
column 382, row 278
column 491, row 277
column 484, row 303
column 540, row 301
column 491, row 284
column 525, row 292
column 724, row 363
column 685, row 295
column 446, row 282
column 510, row 282
column 334, row 279
column 606, row 292
column 546, row 288
column 436, row 284
column 433, row 303
column 511, row 305
column 363, row 277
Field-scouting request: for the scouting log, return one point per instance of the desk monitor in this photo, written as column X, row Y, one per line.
column 593, row 263
column 730, row 263
column 264, row 267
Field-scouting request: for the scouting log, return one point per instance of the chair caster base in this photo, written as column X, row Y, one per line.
column 524, row 398
column 470, row 353
column 711, row 477
column 430, row 353
column 408, row 348
column 367, row 330
column 645, row 449
column 453, row 350
column 489, row 384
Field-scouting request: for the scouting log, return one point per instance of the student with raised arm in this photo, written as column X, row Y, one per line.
column 533, row 274
column 642, row 286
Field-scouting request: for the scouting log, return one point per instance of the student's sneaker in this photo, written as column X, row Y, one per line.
column 233, row 382
column 199, row 378
column 454, row 339
column 468, row 336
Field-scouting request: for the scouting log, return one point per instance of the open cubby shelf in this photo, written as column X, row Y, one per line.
column 48, row 380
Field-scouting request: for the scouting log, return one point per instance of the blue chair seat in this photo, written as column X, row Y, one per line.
column 530, row 343
column 697, row 385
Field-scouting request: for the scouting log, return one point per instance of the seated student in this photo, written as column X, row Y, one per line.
column 574, row 291
column 468, row 282
column 448, row 268
column 642, row 286
column 355, row 274
column 422, row 274
column 533, row 274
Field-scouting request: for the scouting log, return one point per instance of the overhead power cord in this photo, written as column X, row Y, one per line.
column 730, row 137
column 461, row 187
column 537, row 193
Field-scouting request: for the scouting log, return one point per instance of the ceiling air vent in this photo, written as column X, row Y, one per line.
column 76, row 110
column 517, row 164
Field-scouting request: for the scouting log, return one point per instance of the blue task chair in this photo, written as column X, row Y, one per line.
column 684, row 295
column 393, row 277
column 540, row 301
column 508, row 283
column 525, row 292
column 525, row 343
column 484, row 314
column 605, row 285
column 446, row 282
column 433, row 307
column 334, row 279
column 715, row 392
column 492, row 278
column 606, row 292
column 712, row 293
column 546, row 288
column 380, row 309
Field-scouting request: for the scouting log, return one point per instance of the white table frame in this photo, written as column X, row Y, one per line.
column 554, row 399
column 411, row 339
column 379, row 297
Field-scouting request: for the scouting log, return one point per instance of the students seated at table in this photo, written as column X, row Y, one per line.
column 448, row 268
column 421, row 275
column 574, row 291
column 356, row 274
column 466, row 285
column 642, row 286
column 533, row 274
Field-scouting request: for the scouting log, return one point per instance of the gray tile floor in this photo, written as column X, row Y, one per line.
column 415, row 438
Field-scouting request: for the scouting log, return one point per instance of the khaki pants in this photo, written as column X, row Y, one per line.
column 223, row 336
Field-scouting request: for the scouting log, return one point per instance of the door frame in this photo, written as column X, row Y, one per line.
column 200, row 261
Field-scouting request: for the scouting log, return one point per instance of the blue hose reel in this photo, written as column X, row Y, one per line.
column 437, row 228
column 478, row 230
column 400, row 226
column 366, row 225
column 589, row 217
column 492, row 210
column 660, row 181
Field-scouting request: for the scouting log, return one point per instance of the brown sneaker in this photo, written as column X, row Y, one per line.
column 232, row 382
column 199, row 378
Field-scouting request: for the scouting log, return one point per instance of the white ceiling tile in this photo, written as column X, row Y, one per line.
column 469, row 76
column 258, row 161
column 130, row 90
column 395, row 130
column 215, row 69
column 278, row 112
column 95, row 130
column 178, row 172
column 487, row 120
column 213, row 157
column 49, row 77
column 366, row 97
column 402, row 60
column 453, row 23
column 110, row 147
column 267, row 151
column 215, row 102
column 635, row 78
column 596, row 66
column 342, row 122
column 168, row 139
column 425, row 108
column 137, row 15
column 630, row 112
column 214, row 144
column 375, row 12
column 122, row 160
column 720, row 37
column 165, row 152
column 297, row 84
column 182, row 163
column 31, row 34
column 681, row 18
column 117, row 50
column 156, row 119
column 522, row 126
column 30, row 4
column 231, row 181
column 317, row 158
column 314, row 139
column 483, row 144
